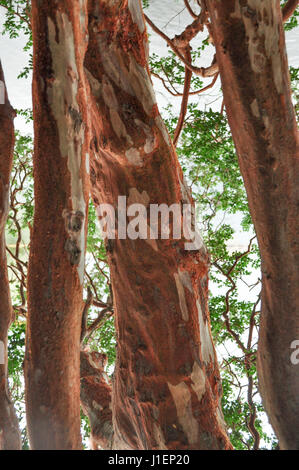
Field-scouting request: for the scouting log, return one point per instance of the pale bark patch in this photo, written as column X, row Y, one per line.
column 133, row 156
column 87, row 163
column 108, row 94
column 62, row 96
column 181, row 293
column 206, row 345
column 135, row 197
column 132, row 78
column 118, row 126
column 182, row 399
column 199, row 381
column 159, row 122
column 150, row 137
column 265, row 32
column 136, row 13
column 82, row 4
column 97, row 406
column 255, row 109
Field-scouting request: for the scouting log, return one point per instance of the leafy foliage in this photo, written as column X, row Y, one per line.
column 293, row 20
column 17, row 23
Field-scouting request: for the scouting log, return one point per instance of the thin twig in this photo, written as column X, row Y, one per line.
column 187, row 4
column 184, row 104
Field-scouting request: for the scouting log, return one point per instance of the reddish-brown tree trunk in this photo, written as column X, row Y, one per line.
column 167, row 390
column 250, row 45
column 96, row 396
column 56, row 266
column 10, row 438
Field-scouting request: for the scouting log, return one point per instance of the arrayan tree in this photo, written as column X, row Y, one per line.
column 250, row 43
column 98, row 132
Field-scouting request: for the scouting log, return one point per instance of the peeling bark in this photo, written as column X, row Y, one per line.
column 167, row 390
column 251, row 54
column 96, row 398
column 56, row 265
column 10, row 437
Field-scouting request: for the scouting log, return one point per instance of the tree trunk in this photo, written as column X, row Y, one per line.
column 251, row 54
column 96, row 398
column 167, row 390
column 56, row 266
column 10, row 438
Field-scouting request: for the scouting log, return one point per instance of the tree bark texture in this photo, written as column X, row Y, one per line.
column 10, row 438
column 251, row 55
column 56, row 266
column 96, row 398
column 166, row 389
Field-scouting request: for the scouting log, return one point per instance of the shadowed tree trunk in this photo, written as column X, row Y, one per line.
column 167, row 390
column 56, row 266
column 10, row 438
column 251, row 54
column 96, row 398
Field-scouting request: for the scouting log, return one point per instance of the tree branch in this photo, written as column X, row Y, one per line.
column 21, row 17
column 184, row 104
column 289, row 9
column 187, row 4
column 85, row 314
column 191, row 93
column 199, row 71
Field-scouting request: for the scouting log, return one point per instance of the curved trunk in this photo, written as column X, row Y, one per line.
column 250, row 46
column 96, row 395
column 166, row 391
column 10, row 438
column 56, row 266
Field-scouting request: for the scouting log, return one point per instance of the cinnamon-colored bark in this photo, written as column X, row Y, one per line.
column 56, row 265
column 289, row 9
column 96, row 397
column 166, row 391
column 10, row 438
column 251, row 55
